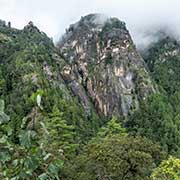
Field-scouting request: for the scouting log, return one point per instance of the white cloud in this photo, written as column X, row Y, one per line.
column 53, row 16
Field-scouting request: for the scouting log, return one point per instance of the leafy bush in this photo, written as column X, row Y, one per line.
column 168, row 169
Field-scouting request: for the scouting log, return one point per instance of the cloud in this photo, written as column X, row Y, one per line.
column 53, row 16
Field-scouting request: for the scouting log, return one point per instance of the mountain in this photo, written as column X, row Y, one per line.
column 103, row 66
column 96, row 61
column 30, row 65
column 89, row 107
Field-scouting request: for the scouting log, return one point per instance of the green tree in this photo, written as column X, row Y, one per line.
column 113, row 127
column 27, row 160
column 125, row 158
column 155, row 120
column 167, row 170
column 59, row 134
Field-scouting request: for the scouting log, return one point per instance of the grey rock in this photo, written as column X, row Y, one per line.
column 104, row 63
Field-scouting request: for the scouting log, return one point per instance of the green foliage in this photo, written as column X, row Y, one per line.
column 155, row 121
column 167, row 74
column 38, row 138
column 22, row 72
column 125, row 158
column 28, row 160
column 167, row 170
column 112, row 128
column 38, row 155
column 85, row 126
column 49, row 135
column 108, row 59
column 59, row 134
column 163, row 60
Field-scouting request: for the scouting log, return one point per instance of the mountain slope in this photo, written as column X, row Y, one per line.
column 158, row 118
column 27, row 66
column 105, row 65
column 49, row 95
column 163, row 60
column 30, row 66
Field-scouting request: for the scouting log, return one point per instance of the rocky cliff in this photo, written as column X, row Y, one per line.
column 103, row 66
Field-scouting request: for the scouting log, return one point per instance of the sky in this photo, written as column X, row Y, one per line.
column 54, row 16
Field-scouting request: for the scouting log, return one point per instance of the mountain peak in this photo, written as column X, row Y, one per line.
column 31, row 27
column 104, row 66
column 95, row 22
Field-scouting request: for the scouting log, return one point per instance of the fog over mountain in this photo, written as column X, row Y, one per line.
column 54, row 16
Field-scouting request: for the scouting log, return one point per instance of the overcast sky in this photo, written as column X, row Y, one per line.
column 53, row 16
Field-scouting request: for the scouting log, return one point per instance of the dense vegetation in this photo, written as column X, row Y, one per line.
column 46, row 134
column 158, row 117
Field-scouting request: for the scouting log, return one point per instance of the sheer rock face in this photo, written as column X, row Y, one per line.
column 104, row 66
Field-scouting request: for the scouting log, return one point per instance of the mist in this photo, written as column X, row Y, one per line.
column 143, row 18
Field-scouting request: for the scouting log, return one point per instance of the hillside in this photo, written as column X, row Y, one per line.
column 89, row 108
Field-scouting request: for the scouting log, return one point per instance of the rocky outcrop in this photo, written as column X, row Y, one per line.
column 104, row 66
column 31, row 28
